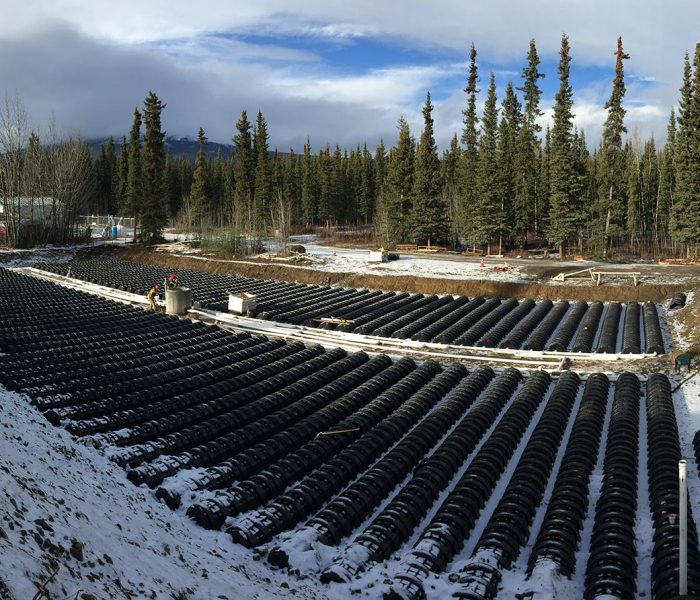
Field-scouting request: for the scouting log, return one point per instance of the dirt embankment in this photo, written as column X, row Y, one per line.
column 623, row 292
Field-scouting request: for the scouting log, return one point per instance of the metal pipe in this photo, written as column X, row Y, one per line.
column 682, row 530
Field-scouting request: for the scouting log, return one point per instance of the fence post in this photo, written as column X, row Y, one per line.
column 682, row 530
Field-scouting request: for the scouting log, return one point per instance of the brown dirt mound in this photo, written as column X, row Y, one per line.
column 609, row 292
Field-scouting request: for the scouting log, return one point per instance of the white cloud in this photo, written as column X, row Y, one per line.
column 387, row 88
column 188, row 53
column 220, row 50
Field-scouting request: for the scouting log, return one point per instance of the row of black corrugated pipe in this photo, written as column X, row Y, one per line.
column 362, row 424
column 392, row 526
column 312, row 492
column 213, row 440
column 561, row 528
column 445, row 534
column 612, row 564
column 663, row 455
column 508, row 528
column 486, row 322
column 356, row 404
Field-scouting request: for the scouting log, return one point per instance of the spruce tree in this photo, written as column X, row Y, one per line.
column 527, row 150
column 217, row 190
column 171, row 185
column 379, row 166
column 540, row 215
column 154, row 213
column 613, row 189
column 309, row 188
column 395, row 208
column 667, row 185
column 323, row 175
column 688, row 187
column 292, row 184
column 581, row 182
column 470, row 155
column 123, row 177
column 134, row 190
column 429, row 212
column 198, row 191
column 336, row 201
column 366, row 187
column 648, row 188
column 487, row 207
column 563, row 220
column 263, row 175
column 508, row 131
column 106, row 174
column 243, row 175
column 450, row 165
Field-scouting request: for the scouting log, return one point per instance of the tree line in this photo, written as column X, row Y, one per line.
column 503, row 183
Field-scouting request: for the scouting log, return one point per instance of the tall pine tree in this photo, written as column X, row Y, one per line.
column 687, row 159
column 613, row 189
column 487, row 208
column 263, row 174
column 667, row 186
column 154, row 214
column 123, row 177
column 508, row 130
column 134, row 189
column 563, row 217
column 309, row 187
column 430, row 217
column 527, row 151
column 395, row 208
column 470, row 156
column 106, row 173
column 243, row 162
column 450, row 166
column 199, row 201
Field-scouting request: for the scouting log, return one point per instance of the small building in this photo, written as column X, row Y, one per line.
column 37, row 210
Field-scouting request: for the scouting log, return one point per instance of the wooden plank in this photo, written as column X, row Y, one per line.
column 562, row 276
column 335, row 321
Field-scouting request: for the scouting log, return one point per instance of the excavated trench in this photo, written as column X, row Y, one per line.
column 644, row 292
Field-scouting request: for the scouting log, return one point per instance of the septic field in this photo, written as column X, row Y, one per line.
column 358, row 472
column 604, row 328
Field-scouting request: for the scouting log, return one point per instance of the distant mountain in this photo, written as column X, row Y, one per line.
column 177, row 147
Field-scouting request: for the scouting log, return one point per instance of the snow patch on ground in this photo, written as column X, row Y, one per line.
column 344, row 260
column 24, row 258
column 67, row 509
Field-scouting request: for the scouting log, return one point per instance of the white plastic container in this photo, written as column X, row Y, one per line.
column 241, row 303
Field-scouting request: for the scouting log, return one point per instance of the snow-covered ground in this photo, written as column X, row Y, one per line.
column 353, row 260
column 345, row 260
column 25, row 258
column 69, row 515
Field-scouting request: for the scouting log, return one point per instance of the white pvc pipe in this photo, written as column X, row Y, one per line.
column 682, row 530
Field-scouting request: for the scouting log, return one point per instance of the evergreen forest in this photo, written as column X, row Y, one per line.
column 505, row 183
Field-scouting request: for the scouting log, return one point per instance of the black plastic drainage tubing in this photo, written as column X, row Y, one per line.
column 565, row 333
column 611, row 324
column 589, row 328
column 654, row 339
column 631, row 339
column 612, row 563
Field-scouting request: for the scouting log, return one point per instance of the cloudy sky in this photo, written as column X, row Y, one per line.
column 339, row 71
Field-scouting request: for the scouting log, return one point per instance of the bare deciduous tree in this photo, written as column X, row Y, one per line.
column 13, row 142
column 281, row 213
